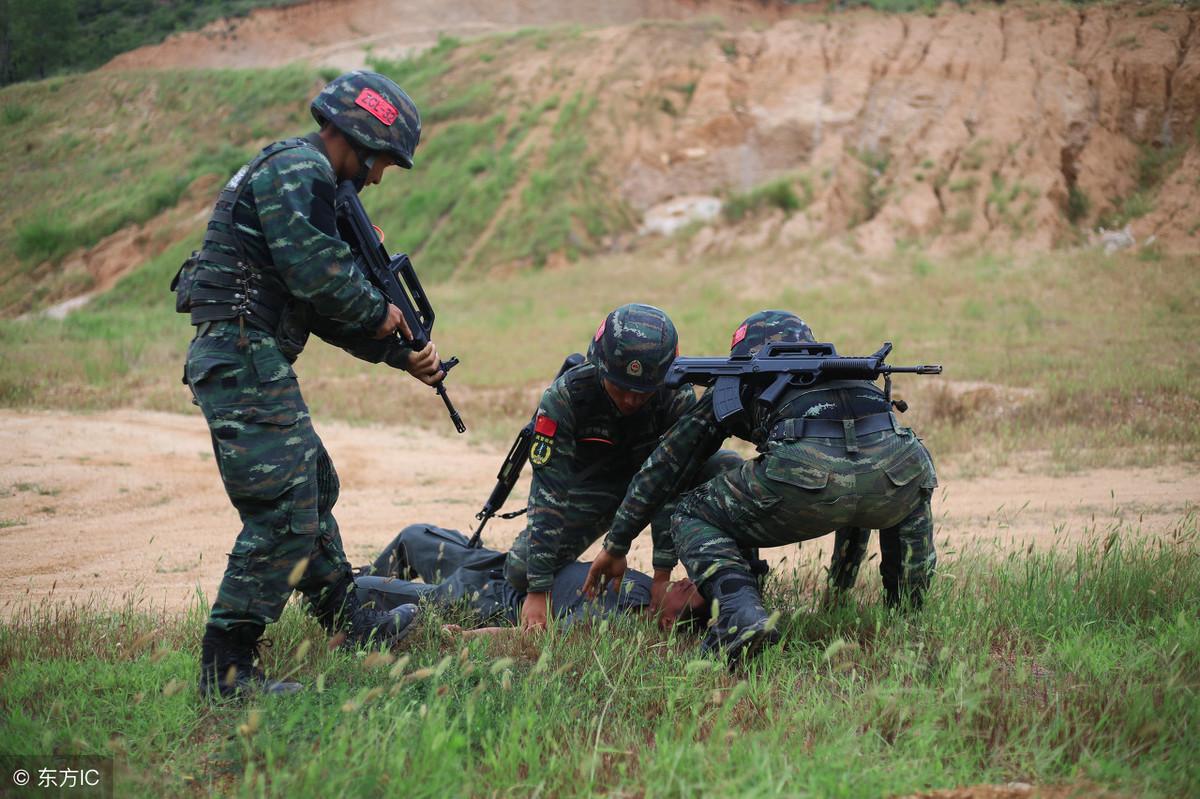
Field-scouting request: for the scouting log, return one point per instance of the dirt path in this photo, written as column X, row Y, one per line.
column 93, row 507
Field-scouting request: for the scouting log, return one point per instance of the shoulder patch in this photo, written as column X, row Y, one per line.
column 541, row 449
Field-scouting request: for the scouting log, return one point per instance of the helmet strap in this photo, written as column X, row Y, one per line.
column 366, row 160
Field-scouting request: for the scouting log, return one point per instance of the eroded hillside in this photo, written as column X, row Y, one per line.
column 987, row 126
column 1020, row 128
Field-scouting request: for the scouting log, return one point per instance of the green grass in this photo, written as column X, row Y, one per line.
column 1078, row 668
column 132, row 149
column 565, row 207
column 1066, row 371
column 140, row 140
column 480, row 195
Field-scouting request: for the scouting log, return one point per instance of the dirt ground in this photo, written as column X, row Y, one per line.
column 97, row 507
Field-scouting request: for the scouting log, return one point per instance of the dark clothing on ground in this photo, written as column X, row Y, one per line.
column 454, row 573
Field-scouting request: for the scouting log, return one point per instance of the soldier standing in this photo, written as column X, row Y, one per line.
column 833, row 458
column 272, row 269
column 595, row 426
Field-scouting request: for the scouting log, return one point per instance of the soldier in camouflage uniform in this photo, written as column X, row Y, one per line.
column 595, row 426
column 271, row 271
column 833, row 456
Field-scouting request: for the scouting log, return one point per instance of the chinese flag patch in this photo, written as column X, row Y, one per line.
column 545, row 426
column 377, row 106
column 738, row 335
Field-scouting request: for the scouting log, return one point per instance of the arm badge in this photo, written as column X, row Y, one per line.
column 543, row 440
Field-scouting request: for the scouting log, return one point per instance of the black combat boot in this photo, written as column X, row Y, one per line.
column 742, row 627
column 370, row 627
column 227, row 667
column 342, row 611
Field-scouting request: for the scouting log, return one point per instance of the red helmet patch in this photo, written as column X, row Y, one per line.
column 600, row 330
column 738, row 335
column 377, row 106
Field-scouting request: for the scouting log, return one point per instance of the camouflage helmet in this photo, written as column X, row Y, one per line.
column 373, row 112
column 766, row 327
column 634, row 346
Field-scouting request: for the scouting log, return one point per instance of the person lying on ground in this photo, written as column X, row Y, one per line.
column 454, row 573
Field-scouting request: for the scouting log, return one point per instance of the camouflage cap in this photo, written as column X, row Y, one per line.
column 634, row 346
column 765, row 327
column 373, row 112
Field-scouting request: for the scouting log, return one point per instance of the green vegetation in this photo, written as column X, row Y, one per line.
column 472, row 202
column 563, row 207
column 48, row 37
column 1058, row 381
column 973, row 156
column 1002, row 199
column 1154, row 164
column 1050, row 668
column 129, row 148
column 1079, row 206
column 779, row 194
column 873, row 191
column 968, row 184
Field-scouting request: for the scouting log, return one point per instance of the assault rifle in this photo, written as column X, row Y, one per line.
column 395, row 277
column 510, row 470
column 784, row 365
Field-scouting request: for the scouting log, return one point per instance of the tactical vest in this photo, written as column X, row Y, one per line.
column 237, row 290
column 638, row 436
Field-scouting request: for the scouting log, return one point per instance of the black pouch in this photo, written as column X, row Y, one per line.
column 182, row 283
column 294, row 327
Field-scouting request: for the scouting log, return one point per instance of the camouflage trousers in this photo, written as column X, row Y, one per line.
column 277, row 475
column 590, row 514
column 800, row 490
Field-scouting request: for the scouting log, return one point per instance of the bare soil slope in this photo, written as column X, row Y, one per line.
column 94, row 507
column 989, row 126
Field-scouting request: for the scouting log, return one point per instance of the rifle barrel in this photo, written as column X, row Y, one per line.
column 454, row 417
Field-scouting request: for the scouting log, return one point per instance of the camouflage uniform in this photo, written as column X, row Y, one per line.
column 588, row 453
column 681, row 461
column 802, row 485
column 271, row 271
column 274, row 467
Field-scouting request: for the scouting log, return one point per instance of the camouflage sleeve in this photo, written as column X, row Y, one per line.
column 390, row 350
column 552, row 456
column 294, row 193
column 685, row 447
column 664, row 556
